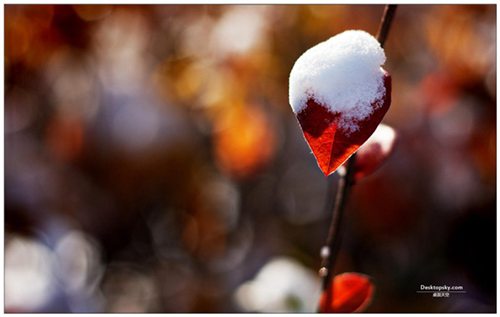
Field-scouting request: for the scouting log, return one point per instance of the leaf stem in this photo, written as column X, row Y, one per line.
column 332, row 245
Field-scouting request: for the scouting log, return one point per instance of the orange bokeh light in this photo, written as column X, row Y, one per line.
column 244, row 141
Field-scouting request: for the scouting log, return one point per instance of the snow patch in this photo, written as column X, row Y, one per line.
column 343, row 74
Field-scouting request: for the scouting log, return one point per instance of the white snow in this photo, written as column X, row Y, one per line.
column 384, row 136
column 343, row 74
column 282, row 285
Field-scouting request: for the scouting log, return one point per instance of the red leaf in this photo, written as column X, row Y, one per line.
column 352, row 292
column 374, row 151
column 331, row 145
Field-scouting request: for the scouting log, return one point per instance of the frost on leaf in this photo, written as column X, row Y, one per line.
column 339, row 94
column 375, row 151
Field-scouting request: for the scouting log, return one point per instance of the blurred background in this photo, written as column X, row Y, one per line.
column 153, row 164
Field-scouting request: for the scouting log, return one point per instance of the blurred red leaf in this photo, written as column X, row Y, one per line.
column 332, row 146
column 352, row 292
column 374, row 152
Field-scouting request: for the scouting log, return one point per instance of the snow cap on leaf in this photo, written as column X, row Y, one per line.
column 340, row 93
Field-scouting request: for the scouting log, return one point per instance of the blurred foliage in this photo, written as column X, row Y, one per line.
column 152, row 162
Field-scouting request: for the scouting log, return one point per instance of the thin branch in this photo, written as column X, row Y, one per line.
column 332, row 245
column 330, row 250
column 385, row 24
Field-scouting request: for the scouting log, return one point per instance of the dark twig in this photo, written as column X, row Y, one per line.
column 385, row 24
column 330, row 250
